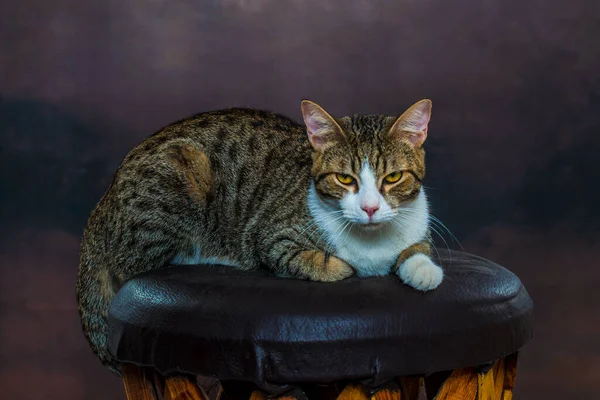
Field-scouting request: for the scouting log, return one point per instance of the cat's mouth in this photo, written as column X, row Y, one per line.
column 371, row 226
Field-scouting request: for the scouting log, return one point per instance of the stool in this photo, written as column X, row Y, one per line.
column 261, row 336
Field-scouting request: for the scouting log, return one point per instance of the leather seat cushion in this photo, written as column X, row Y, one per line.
column 251, row 326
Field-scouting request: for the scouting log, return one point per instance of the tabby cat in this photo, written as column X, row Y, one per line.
column 245, row 188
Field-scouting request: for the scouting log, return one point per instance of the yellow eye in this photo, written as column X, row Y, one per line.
column 393, row 177
column 345, row 179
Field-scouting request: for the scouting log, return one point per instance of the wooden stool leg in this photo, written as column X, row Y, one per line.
column 510, row 375
column 258, row 395
column 183, row 388
column 498, row 383
column 486, row 382
column 354, row 392
column 139, row 383
column 467, row 384
column 390, row 391
column 294, row 394
column 411, row 387
column 460, row 385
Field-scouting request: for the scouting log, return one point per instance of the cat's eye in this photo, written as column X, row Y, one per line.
column 393, row 177
column 345, row 179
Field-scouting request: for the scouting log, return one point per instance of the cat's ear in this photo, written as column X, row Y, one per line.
column 323, row 131
column 412, row 125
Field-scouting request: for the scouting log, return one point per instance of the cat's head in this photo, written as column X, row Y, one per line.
column 368, row 166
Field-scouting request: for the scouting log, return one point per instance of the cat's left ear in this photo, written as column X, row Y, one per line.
column 412, row 125
column 323, row 131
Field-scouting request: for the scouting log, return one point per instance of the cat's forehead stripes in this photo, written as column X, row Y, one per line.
column 368, row 140
column 368, row 126
column 367, row 136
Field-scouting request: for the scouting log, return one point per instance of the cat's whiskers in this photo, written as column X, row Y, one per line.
column 400, row 225
column 307, row 241
column 439, row 223
column 330, row 238
column 329, row 245
column 313, row 221
column 434, row 221
column 412, row 218
column 338, row 233
column 309, row 227
column 350, row 226
column 305, row 227
column 387, row 216
column 432, row 227
column 324, row 231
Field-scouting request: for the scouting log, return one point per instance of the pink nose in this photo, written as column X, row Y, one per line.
column 370, row 210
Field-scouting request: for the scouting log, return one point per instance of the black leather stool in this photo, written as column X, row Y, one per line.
column 262, row 336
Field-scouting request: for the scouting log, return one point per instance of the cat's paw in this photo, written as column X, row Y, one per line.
column 335, row 270
column 420, row 272
column 315, row 265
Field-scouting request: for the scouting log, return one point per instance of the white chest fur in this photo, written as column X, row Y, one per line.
column 374, row 252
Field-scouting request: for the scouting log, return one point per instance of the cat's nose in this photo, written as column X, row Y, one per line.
column 370, row 210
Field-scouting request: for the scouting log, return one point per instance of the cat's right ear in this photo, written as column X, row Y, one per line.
column 323, row 131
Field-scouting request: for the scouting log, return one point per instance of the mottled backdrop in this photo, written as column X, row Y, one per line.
column 513, row 149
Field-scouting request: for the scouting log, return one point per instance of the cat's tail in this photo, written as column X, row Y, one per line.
column 94, row 294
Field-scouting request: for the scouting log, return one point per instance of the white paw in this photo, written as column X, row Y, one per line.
column 420, row 272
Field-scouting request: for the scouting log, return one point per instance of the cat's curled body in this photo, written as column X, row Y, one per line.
column 252, row 189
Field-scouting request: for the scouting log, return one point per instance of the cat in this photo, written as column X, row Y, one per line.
column 252, row 189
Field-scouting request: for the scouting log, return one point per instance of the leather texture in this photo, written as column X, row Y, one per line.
column 252, row 326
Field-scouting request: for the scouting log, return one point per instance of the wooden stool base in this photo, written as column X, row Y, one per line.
column 496, row 383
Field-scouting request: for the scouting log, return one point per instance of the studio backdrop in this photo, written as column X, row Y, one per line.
column 512, row 153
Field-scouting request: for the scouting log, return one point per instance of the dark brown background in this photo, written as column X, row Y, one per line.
column 513, row 148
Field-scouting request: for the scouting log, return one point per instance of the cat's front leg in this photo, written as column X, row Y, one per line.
column 288, row 258
column 317, row 265
column 416, row 269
